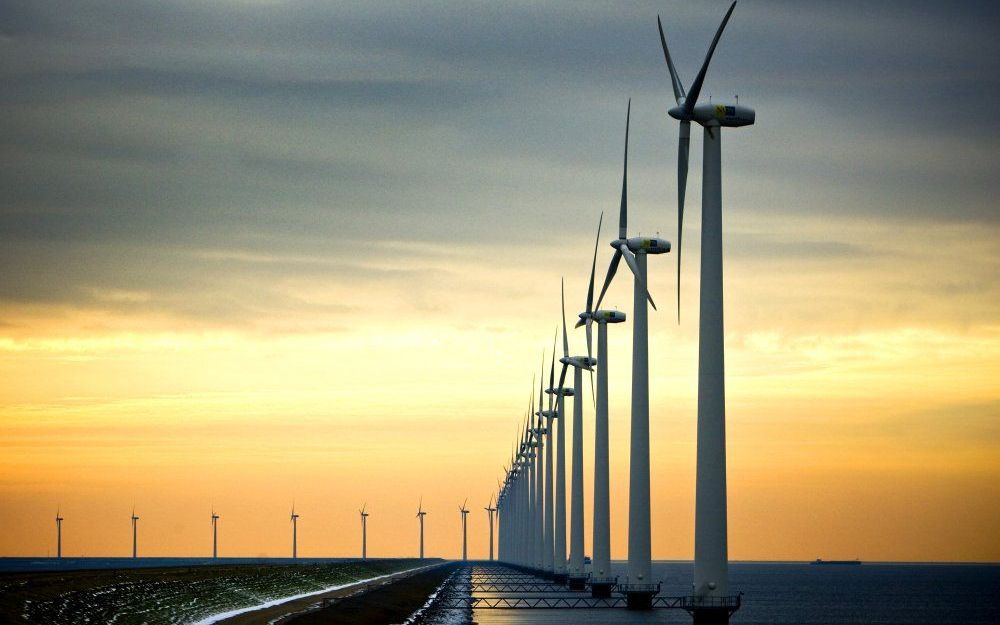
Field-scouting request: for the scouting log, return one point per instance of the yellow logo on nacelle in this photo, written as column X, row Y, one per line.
column 720, row 110
column 647, row 243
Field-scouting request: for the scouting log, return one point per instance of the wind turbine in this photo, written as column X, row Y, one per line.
column 528, row 486
column 59, row 521
column 540, row 432
column 465, row 542
column 577, row 574
column 215, row 534
column 490, row 510
column 601, row 582
column 559, row 529
column 420, row 515
column 711, row 568
column 295, row 533
column 135, row 523
column 548, row 532
column 639, row 591
column 364, row 532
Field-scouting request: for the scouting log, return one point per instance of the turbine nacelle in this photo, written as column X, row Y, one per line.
column 549, row 414
column 645, row 245
column 609, row 316
column 727, row 115
column 580, row 362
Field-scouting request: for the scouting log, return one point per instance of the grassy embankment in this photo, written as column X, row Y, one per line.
column 169, row 595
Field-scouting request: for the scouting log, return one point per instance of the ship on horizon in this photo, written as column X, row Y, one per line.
column 821, row 561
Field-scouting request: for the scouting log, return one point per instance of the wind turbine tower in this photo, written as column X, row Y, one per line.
column 135, row 525
column 364, row 532
column 711, row 566
column 215, row 534
column 295, row 533
column 490, row 510
column 420, row 515
column 465, row 542
column 59, row 521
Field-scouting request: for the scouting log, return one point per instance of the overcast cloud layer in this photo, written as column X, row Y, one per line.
column 143, row 142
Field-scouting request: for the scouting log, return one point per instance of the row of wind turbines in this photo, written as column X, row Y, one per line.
column 294, row 519
column 532, row 499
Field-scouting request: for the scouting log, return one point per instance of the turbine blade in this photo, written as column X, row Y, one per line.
column 630, row 261
column 565, row 335
column 541, row 388
column 531, row 397
column 593, row 394
column 692, row 97
column 552, row 369
column 675, row 81
column 612, row 269
column 623, row 210
column 562, row 376
column 590, row 340
column 593, row 265
column 683, row 148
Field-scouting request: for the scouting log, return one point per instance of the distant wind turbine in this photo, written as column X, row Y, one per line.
column 490, row 510
column 135, row 542
column 295, row 533
column 420, row 515
column 215, row 534
column 59, row 521
column 538, row 528
column 577, row 574
column 364, row 532
column 465, row 542
column 559, row 506
column 548, row 531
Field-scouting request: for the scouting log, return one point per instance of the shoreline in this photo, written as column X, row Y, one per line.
column 183, row 594
column 284, row 609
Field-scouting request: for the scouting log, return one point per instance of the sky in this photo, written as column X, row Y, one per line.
column 261, row 252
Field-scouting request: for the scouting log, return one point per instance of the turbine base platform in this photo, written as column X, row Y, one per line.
column 560, row 578
column 639, row 596
column 577, row 583
column 602, row 587
column 712, row 610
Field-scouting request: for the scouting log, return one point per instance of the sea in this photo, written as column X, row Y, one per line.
column 776, row 593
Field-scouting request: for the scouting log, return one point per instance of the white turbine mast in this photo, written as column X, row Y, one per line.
column 135, row 541
column 295, row 533
column 420, row 515
column 465, row 542
column 215, row 534
column 364, row 531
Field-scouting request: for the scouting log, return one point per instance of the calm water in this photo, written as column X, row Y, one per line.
column 801, row 594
